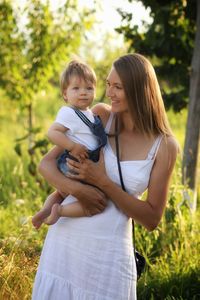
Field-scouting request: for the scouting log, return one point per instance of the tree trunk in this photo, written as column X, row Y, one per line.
column 30, row 130
column 190, row 158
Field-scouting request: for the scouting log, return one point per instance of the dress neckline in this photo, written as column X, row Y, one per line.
column 127, row 161
column 151, row 153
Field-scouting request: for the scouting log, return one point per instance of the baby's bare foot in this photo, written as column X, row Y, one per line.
column 40, row 217
column 54, row 216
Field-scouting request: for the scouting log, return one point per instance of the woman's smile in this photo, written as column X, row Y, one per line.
column 115, row 92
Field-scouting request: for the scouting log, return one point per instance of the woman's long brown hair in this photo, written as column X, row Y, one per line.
column 143, row 94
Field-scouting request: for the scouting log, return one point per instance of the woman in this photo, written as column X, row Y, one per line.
column 91, row 258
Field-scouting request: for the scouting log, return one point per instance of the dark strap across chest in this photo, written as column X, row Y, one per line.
column 96, row 127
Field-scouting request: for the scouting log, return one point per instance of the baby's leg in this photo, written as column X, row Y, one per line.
column 40, row 216
column 74, row 210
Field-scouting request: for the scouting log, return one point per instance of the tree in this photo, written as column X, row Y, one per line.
column 31, row 55
column 193, row 123
column 12, row 44
column 169, row 43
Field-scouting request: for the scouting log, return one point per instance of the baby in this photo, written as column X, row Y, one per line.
column 77, row 131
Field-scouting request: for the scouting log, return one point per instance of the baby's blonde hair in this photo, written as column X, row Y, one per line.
column 79, row 69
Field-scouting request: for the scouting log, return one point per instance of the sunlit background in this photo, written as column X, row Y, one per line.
column 37, row 39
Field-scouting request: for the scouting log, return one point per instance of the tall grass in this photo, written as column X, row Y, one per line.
column 172, row 250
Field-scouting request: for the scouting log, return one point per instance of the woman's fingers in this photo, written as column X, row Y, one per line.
column 101, row 157
column 103, row 201
column 87, row 169
column 91, row 199
column 99, row 206
column 80, row 168
column 88, row 213
column 73, row 174
column 93, row 212
column 74, row 164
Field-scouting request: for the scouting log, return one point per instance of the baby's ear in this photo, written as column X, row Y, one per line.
column 65, row 95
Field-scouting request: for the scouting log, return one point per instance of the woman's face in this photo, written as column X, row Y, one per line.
column 115, row 91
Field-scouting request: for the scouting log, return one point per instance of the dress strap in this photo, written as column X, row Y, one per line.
column 109, row 122
column 154, row 149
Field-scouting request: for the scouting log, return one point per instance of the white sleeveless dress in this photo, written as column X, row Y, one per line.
column 91, row 258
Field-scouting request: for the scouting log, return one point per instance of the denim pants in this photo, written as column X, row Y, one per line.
column 62, row 164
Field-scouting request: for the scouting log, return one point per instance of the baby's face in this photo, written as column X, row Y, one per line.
column 79, row 93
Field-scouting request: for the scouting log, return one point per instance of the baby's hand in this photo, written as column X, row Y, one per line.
column 79, row 151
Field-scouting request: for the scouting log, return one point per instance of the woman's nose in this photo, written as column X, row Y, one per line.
column 109, row 91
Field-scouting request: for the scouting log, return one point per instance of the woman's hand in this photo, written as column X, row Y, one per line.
column 92, row 199
column 88, row 171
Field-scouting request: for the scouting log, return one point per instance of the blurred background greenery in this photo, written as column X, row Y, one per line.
column 37, row 39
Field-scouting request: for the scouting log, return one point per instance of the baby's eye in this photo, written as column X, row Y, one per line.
column 75, row 88
column 89, row 88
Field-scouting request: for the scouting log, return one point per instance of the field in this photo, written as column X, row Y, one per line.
column 172, row 250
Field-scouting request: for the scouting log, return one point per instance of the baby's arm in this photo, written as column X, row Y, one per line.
column 56, row 134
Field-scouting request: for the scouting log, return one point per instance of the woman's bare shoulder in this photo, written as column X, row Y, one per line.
column 169, row 149
column 103, row 111
column 172, row 144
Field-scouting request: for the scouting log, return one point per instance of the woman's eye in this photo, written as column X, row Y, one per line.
column 118, row 87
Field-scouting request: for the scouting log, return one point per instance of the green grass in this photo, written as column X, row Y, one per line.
column 172, row 250
column 177, row 122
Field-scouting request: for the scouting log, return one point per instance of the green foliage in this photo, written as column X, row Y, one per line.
column 169, row 42
column 12, row 44
column 174, row 272
column 18, row 257
column 32, row 55
column 171, row 250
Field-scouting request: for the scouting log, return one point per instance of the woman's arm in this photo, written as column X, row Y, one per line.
column 149, row 212
column 90, row 197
